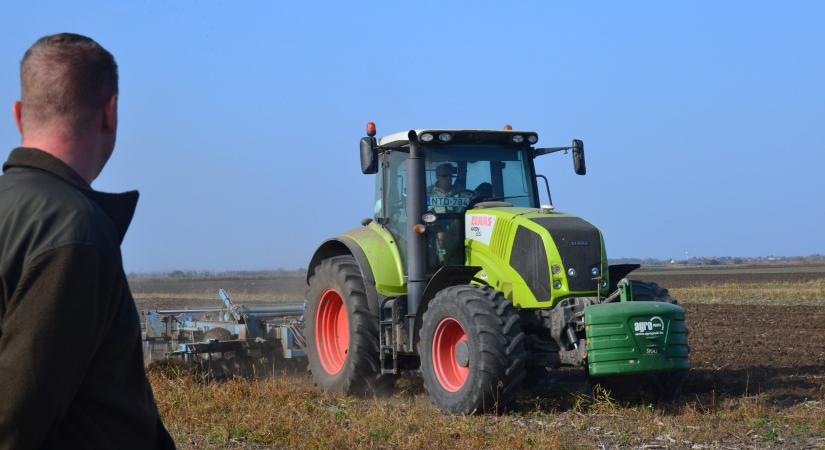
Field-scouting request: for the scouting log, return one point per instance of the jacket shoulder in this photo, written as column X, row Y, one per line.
column 44, row 212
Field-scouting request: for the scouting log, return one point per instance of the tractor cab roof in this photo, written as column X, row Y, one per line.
column 461, row 136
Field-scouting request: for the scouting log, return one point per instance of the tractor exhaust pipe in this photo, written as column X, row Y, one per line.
column 416, row 243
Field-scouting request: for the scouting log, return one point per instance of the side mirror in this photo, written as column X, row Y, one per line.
column 369, row 156
column 578, row 157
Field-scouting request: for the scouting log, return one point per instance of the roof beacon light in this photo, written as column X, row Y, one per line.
column 426, row 137
column 445, row 137
column 370, row 129
column 508, row 127
column 518, row 139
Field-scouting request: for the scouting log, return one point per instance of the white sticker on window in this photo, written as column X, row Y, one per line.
column 449, row 202
column 479, row 227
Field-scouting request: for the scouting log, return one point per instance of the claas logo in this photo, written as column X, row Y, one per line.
column 483, row 221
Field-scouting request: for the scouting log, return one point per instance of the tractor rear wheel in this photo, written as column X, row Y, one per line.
column 648, row 291
column 342, row 331
column 472, row 350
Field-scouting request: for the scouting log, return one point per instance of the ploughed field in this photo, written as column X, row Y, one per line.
column 757, row 338
column 753, row 329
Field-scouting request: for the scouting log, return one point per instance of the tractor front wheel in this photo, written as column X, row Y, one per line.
column 472, row 350
column 342, row 331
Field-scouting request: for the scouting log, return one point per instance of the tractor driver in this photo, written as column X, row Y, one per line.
column 443, row 186
column 443, row 196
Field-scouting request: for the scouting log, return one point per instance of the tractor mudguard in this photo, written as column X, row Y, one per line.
column 375, row 253
column 444, row 277
column 343, row 245
column 618, row 271
column 635, row 337
column 449, row 276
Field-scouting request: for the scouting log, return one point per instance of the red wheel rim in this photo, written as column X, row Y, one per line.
column 332, row 331
column 449, row 371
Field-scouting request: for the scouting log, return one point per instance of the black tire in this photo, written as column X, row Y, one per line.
column 495, row 358
column 360, row 370
column 648, row 291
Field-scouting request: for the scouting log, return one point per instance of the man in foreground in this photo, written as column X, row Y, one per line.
column 71, row 365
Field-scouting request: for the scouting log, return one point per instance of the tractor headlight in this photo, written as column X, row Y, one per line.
column 556, row 268
column 426, row 137
column 557, row 285
column 532, row 139
column 445, row 137
column 518, row 139
column 595, row 271
column 571, row 272
column 428, row 218
column 603, row 284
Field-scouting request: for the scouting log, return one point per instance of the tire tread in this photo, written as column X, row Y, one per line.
column 502, row 355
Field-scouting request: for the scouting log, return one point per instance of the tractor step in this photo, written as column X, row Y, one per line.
column 388, row 352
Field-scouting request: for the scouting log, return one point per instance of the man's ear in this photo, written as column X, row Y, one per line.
column 109, row 122
column 17, row 112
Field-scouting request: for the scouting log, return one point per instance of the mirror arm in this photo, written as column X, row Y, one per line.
column 548, row 150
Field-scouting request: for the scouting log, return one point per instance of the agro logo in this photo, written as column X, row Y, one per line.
column 653, row 327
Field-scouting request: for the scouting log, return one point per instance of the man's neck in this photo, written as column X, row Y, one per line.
column 73, row 151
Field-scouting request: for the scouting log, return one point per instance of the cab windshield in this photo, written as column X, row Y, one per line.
column 457, row 178
column 460, row 176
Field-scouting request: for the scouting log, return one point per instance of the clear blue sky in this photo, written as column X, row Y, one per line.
column 704, row 122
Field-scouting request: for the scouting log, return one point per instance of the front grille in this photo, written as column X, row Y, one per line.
column 501, row 236
column 529, row 259
column 580, row 246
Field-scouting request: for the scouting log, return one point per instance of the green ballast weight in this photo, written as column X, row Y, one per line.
column 633, row 337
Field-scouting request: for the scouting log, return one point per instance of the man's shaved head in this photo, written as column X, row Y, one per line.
column 65, row 79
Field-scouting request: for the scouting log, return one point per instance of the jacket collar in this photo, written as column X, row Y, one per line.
column 119, row 207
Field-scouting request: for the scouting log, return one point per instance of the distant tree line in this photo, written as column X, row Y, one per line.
column 722, row 260
column 815, row 258
column 227, row 273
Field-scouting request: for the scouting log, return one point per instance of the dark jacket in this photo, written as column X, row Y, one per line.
column 71, row 365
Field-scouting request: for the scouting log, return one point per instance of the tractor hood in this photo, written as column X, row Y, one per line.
column 542, row 248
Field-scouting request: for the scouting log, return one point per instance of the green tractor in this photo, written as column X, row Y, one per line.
column 462, row 274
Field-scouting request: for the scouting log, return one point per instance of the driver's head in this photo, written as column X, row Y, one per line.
column 444, row 174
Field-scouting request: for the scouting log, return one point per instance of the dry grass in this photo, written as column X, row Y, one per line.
column 286, row 411
column 807, row 292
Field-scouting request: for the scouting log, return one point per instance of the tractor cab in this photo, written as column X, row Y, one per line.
column 462, row 170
